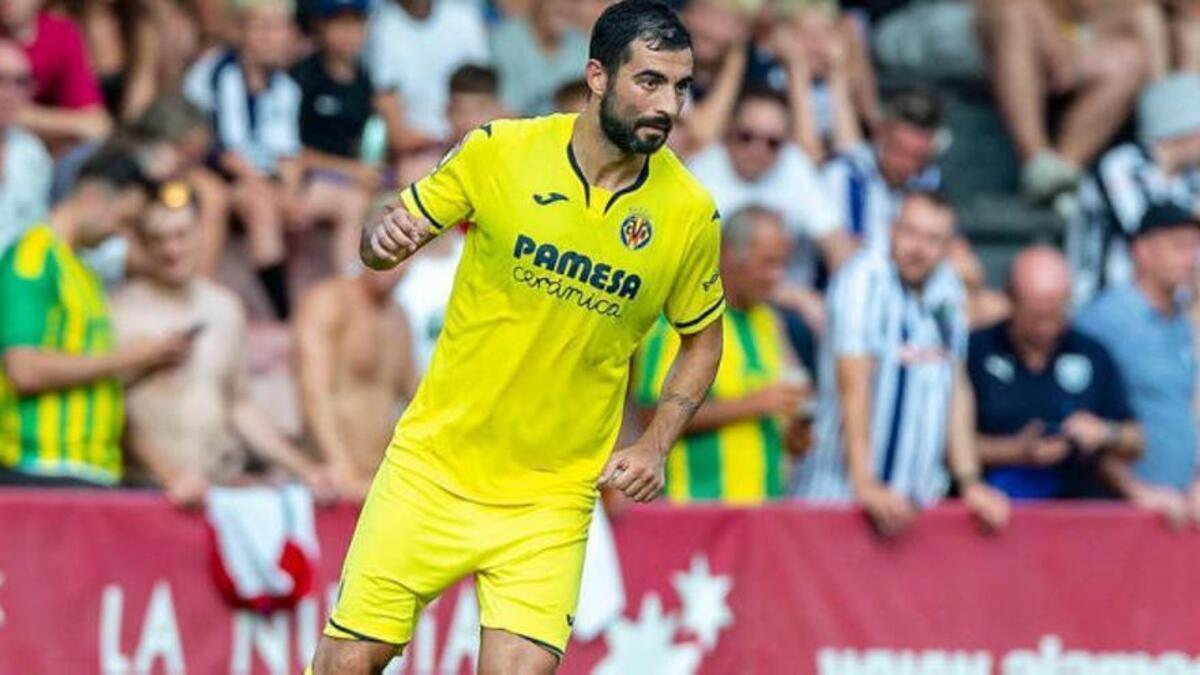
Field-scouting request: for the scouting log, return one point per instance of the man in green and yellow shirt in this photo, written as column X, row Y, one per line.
column 733, row 450
column 61, row 408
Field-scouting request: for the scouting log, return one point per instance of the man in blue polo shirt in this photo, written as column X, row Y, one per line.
column 1049, row 400
column 1144, row 325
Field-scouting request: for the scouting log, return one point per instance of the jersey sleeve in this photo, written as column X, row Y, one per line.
column 27, row 293
column 698, row 297
column 853, row 323
column 445, row 196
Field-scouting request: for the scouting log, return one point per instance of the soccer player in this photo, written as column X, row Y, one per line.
column 584, row 231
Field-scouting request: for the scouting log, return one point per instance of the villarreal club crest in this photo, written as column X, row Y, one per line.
column 636, row 231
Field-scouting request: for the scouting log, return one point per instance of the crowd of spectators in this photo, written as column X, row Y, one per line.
column 184, row 183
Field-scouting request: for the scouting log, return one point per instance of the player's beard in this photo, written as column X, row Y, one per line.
column 623, row 134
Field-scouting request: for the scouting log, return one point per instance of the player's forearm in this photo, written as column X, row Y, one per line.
column 88, row 124
column 33, row 371
column 854, row 397
column 692, row 374
column 716, row 414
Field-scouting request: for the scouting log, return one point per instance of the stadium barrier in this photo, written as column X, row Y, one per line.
column 117, row 583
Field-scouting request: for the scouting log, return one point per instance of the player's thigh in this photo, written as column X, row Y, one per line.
column 529, row 584
column 407, row 549
column 336, row 656
column 505, row 653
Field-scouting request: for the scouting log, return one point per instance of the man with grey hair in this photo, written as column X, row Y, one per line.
column 1162, row 166
column 733, row 451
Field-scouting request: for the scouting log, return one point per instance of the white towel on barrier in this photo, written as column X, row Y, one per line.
column 266, row 543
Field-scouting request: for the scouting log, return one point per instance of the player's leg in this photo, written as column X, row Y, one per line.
column 336, row 656
column 528, row 588
column 404, row 553
column 504, row 653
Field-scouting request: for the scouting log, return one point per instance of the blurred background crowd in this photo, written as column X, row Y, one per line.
column 921, row 199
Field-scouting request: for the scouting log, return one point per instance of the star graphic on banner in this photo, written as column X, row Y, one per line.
column 647, row 645
column 705, row 610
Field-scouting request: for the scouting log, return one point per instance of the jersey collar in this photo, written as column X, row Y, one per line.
column 587, row 189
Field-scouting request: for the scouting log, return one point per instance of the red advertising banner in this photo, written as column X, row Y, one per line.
column 117, row 583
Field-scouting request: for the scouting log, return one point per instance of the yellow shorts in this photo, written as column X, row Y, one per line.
column 415, row 539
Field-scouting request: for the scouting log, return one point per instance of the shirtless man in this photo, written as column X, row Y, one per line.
column 200, row 414
column 356, row 367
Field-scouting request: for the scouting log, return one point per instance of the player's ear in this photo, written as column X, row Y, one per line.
column 597, row 77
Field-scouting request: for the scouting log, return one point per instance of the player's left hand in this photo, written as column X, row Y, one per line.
column 638, row 471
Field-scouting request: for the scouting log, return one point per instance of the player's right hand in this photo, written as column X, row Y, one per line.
column 397, row 235
column 638, row 471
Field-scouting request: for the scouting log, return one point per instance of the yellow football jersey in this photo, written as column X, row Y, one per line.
column 558, row 283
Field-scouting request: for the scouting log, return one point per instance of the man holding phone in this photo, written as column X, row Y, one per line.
column 61, row 389
column 1050, row 401
column 200, row 415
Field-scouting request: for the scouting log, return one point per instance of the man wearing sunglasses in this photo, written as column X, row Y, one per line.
column 760, row 163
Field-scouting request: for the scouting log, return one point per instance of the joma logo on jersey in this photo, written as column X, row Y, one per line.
column 636, row 231
column 578, row 266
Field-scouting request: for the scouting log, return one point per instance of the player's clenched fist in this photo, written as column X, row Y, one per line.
column 394, row 237
column 637, row 471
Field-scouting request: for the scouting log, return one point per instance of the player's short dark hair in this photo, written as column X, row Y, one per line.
column 116, row 165
column 759, row 92
column 918, row 106
column 475, row 79
column 627, row 21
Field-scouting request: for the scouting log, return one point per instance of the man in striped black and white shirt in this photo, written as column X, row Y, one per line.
column 1162, row 166
column 894, row 408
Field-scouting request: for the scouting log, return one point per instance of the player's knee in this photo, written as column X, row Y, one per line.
column 505, row 653
column 348, row 657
